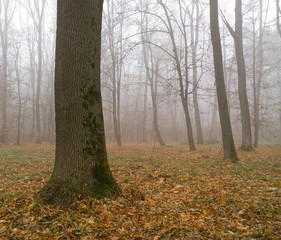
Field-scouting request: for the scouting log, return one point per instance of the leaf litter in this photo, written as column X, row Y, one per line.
column 168, row 193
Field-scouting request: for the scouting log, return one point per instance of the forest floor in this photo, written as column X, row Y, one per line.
column 168, row 193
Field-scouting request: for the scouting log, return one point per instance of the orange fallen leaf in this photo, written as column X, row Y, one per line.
column 104, row 212
column 137, row 237
column 91, row 220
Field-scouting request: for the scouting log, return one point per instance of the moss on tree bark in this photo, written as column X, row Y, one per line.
column 81, row 166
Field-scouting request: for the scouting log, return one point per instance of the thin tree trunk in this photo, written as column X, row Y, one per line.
column 183, row 90
column 242, row 87
column 38, row 88
column 154, row 108
column 213, row 136
column 4, row 26
column 144, row 111
column 20, row 106
column 279, row 77
column 115, row 80
column 146, row 52
column 194, row 44
column 258, row 84
column 227, row 137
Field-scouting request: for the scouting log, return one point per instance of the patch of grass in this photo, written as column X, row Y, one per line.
column 9, row 196
column 176, row 194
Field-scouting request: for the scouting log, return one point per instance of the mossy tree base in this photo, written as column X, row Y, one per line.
column 63, row 193
column 247, row 148
column 233, row 158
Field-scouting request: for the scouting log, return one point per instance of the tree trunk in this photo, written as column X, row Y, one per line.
column 154, row 108
column 258, row 84
column 81, row 165
column 183, row 89
column 144, row 111
column 32, row 83
column 4, row 127
column 194, row 44
column 38, row 88
column 40, row 14
column 213, row 138
column 279, row 79
column 17, row 55
column 242, row 87
column 227, row 137
column 146, row 52
column 116, row 79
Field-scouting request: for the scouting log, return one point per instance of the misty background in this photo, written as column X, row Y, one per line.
column 143, row 42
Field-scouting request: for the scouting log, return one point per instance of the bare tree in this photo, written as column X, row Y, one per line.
column 116, row 53
column 7, row 9
column 35, row 10
column 227, row 137
column 242, row 88
column 17, row 62
column 183, row 80
column 260, row 75
column 194, row 31
column 151, row 63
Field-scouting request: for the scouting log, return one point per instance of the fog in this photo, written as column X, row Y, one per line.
column 155, row 54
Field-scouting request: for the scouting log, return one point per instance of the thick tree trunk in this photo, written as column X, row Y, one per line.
column 81, row 165
column 227, row 137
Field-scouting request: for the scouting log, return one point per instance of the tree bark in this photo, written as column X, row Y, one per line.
column 194, row 44
column 227, row 137
column 257, row 86
column 81, row 165
column 213, row 137
column 242, row 87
